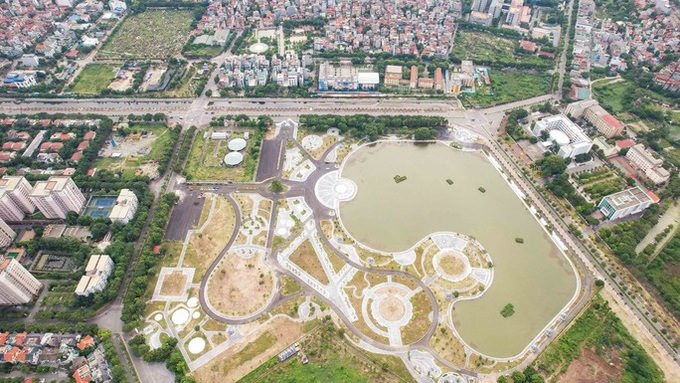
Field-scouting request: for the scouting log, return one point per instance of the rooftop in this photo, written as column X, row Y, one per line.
column 628, row 198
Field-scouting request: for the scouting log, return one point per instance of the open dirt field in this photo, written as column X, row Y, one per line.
column 592, row 368
column 240, row 286
column 173, row 284
column 391, row 308
column 451, row 263
column 305, row 257
column 206, row 246
column 255, row 349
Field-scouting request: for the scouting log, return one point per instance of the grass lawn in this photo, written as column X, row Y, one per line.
column 305, row 257
column 158, row 34
column 206, row 161
column 94, row 78
column 202, row 51
column 489, row 49
column 610, row 96
column 331, row 359
column 508, row 87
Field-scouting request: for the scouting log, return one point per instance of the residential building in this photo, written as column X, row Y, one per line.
column 125, row 208
column 57, row 196
column 644, row 160
column 19, row 80
column 98, row 269
column 14, row 201
column 577, row 109
column 569, row 136
column 17, row 285
column 6, row 234
column 624, row 203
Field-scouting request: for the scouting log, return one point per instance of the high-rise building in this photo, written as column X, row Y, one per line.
column 17, row 285
column 57, row 196
column 14, row 201
column 6, row 234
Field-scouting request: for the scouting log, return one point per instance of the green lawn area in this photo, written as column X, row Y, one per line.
column 508, row 87
column 331, row 359
column 487, row 49
column 93, row 79
column 158, row 34
column 202, row 51
column 601, row 331
column 206, row 161
column 610, row 96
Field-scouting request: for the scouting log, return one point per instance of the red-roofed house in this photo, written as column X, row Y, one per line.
column 6, row 156
column 51, row 146
column 83, row 145
column 3, row 338
column 19, row 338
column 528, row 46
column 83, row 375
column 13, row 145
column 76, row 156
column 85, row 342
column 90, row 135
column 11, row 355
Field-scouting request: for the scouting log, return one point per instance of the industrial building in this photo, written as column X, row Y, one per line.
column 624, row 203
column 569, row 136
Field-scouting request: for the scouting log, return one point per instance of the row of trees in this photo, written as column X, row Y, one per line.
column 363, row 125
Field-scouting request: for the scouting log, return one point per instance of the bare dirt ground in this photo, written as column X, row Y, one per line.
column 592, row 368
column 240, row 286
column 305, row 257
column 173, row 284
column 255, row 349
column 205, row 247
column 451, row 263
column 637, row 330
column 391, row 308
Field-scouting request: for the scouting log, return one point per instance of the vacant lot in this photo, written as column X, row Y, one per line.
column 240, row 286
column 157, row 34
column 173, row 284
column 331, row 359
column 508, row 87
column 255, row 349
column 487, row 49
column 94, row 78
column 136, row 152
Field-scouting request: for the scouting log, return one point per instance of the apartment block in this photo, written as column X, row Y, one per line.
column 57, row 196
column 17, row 285
column 604, row 122
column 14, row 201
column 6, row 234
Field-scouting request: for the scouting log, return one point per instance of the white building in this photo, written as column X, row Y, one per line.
column 117, row 6
column 57, row 196
column 646, row 162
column 14, row 201
column 90, row 41
column 569, row 136
column 63, row 3
column 6, row 234
column 125, row 208
column 98, row 269
column 30, row 60
column 17, row 285
column 624, row 203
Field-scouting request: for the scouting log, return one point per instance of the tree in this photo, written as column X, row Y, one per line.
column 422, row 134
column 518, row 377
column 544, row 135
column 552, row 165
column 98, row 230
column 276, row 186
